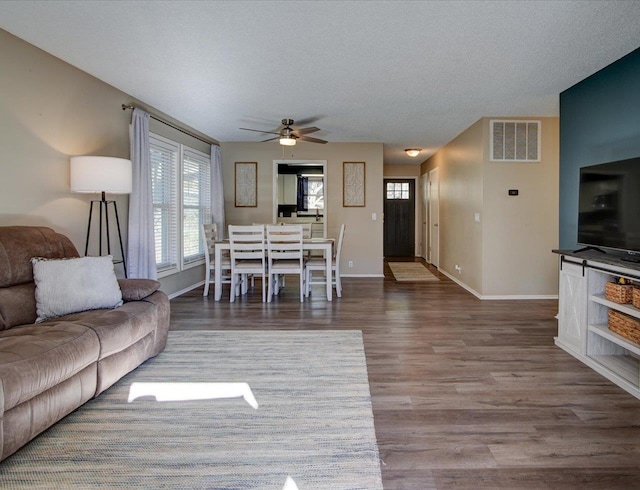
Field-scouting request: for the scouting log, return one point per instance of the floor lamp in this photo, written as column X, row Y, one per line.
column 101, row 175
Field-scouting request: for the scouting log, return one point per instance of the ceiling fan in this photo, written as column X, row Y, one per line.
column 288, row 135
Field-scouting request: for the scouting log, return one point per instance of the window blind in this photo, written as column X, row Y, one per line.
column 164, row 186
column 196, row 202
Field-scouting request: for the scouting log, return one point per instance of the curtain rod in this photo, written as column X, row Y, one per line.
column 166, row 123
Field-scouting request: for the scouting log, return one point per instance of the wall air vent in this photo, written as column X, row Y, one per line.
column 515, row 141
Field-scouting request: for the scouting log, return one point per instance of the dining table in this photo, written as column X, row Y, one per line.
column 325, row 245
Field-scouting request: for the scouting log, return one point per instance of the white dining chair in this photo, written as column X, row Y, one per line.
column 319, row 265
column 284, row 252
column 247, row 249
column 209, row 238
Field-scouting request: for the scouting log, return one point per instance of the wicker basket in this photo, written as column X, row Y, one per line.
column 624, row 325
column 636, row 297
column 618, row 293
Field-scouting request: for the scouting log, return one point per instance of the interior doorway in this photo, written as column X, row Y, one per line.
column 399, row 217
column 434, row 217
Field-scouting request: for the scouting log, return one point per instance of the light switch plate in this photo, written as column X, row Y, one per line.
column 374, row 216
column 476, row 217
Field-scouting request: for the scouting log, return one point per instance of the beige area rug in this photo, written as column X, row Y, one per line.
column 411, row 272
column 266, row 410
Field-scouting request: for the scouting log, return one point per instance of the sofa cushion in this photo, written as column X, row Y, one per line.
column 118, row 329
column 35, row 358
column 66, row 286
column 18, row 244
column 137, row 289
column 17, row 305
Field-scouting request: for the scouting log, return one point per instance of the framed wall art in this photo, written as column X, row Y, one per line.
column 353, row 181
column 246, row 184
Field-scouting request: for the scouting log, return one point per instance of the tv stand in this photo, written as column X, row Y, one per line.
column 586, row 249
column 583, row 317
column 631, row 258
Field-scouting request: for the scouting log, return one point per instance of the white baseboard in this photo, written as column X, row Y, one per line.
column 461, row 284
column 493, row 297
column 519, row 296
column 362, row 275
column 187, row 289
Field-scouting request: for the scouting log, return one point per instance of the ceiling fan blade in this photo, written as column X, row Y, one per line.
column 258, row 131
column 308, row 120
column 301, row 131
column 311, row 140
column 271, row 139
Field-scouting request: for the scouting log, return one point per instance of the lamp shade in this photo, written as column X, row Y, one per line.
column 101, row 174
column 287, row 141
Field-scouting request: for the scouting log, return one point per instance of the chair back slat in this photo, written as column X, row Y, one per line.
column 284, row 242
column 306, row 230
column 246, row 242
column 209, row 237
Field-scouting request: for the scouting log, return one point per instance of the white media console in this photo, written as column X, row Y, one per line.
column 583, row 316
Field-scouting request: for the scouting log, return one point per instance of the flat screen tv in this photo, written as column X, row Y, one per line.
column 609, row 206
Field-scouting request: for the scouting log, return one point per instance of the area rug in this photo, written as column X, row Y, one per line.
column 251, row 409
column 411, row 271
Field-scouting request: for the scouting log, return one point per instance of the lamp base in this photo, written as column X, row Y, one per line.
column 104, row 212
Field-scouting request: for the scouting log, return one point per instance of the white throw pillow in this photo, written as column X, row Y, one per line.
column 66, row 286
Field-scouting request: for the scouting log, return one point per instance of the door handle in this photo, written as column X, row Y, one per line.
column 435, row 224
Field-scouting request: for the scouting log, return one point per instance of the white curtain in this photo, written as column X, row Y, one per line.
column 217, row 192
column 141, row 261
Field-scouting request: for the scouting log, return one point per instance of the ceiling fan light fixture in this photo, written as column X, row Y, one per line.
column 413, row 152
column 287, row 141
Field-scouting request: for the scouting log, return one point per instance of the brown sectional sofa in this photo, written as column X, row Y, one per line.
column 49, row 369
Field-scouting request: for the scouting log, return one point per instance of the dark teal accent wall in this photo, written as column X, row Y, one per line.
column 599, row 122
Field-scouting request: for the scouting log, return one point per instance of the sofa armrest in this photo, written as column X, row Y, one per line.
column 137, row 289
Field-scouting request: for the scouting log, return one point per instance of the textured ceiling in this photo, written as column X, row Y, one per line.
column 403, row 73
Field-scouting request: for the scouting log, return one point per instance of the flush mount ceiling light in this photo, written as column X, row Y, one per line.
column 413, row 152
column 287, row 140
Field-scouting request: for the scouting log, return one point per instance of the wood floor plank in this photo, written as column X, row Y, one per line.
column 466, row 394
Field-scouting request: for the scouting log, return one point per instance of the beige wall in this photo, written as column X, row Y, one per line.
column 50, row 111
column 509, row 252
column 460, row 172
column 402, row 170
column 520, row 231
column 363, row 237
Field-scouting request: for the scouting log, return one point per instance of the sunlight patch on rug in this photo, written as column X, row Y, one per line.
column 411, row 272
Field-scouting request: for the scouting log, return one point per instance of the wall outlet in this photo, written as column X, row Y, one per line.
column 350, row 264
column 458, row 269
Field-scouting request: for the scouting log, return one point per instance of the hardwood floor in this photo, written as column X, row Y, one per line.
column 466, row 394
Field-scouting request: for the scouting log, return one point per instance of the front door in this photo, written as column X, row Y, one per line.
column 399, row 217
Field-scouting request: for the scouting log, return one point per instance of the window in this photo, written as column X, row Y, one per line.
column 180, row 184
column 314, row 199
column 398, row 190
column 164, row 187
column 196, row 202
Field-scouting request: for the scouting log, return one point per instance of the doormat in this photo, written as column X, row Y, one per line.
column 411, row 272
